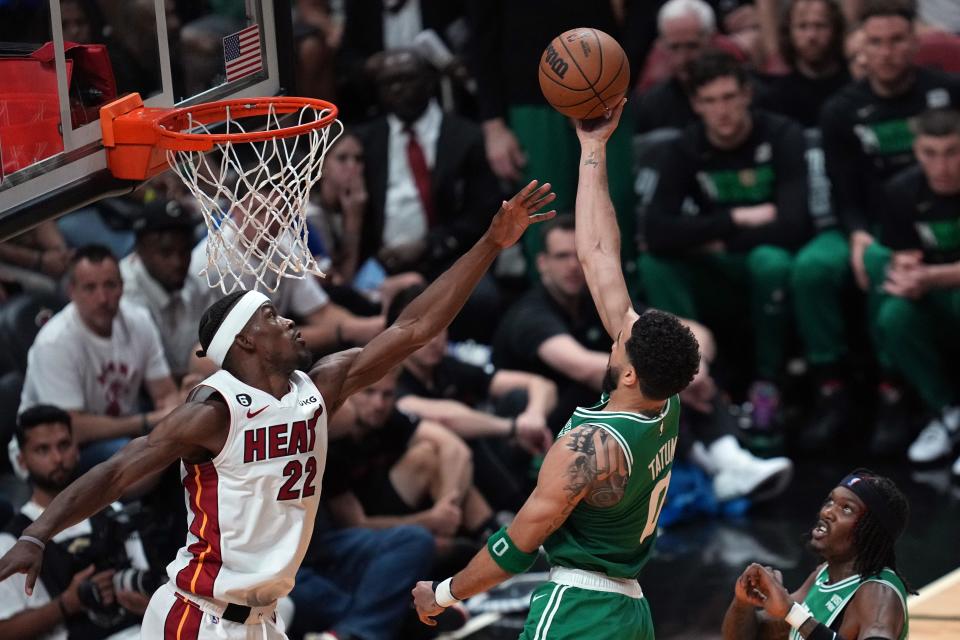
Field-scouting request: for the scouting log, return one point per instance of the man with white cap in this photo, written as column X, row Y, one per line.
column 252, row 441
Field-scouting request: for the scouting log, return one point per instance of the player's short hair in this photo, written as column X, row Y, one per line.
column 906, row 9
column 401, row 301
column 214, row 316
column 38, row 415
column 838, row 30
column 712, row 65
column 678, row 8
column 937, row 123
column 95, row 253
column 663, row 352
column 563, row 222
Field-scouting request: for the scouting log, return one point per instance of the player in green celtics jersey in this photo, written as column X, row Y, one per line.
column 857, row 594
column 603, row 482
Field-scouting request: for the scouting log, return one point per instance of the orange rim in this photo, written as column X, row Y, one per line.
column 170, row 127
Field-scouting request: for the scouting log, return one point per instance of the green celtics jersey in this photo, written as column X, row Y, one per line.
column 826, row 601
column 618, row 540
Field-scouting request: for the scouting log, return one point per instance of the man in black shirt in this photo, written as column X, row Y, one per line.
column 441, row 388
column 392, row 470
column 917, row 265
column 866, row 139
column 729, row 209
column 811, row 44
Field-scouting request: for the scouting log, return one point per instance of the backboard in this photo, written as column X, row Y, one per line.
column 60, row 60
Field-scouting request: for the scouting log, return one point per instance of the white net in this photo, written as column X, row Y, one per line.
column 254, row 196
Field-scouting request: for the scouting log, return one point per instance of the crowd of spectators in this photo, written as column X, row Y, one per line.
column 787, row 180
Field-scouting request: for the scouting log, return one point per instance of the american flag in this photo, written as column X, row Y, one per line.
column 241, row 53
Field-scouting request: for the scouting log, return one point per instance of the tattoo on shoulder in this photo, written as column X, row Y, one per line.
column 591, row 159
column 599, row 467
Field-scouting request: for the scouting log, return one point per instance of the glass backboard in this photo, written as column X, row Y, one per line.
column 60, row 60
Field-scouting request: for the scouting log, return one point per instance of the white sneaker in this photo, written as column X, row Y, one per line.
column 936, row 439
column 741, row 474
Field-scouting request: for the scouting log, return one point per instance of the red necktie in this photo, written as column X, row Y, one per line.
column 421, row 173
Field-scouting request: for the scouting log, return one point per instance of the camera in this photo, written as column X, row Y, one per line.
column 108, row 550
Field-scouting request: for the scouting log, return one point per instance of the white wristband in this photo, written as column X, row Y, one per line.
column 443, row 596
column 797, row 615
column 36, row 541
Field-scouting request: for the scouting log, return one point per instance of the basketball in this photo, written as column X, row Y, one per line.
column 583, row 73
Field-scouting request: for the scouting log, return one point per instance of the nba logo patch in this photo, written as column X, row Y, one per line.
column 214, row 619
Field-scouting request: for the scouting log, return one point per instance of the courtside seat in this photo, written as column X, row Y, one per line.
column 20, row 320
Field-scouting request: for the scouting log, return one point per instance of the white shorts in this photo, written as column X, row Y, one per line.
column 170, row 617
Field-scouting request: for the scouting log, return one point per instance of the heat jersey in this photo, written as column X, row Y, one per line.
column 826, row 601
column 251, row 509
column 618, row 540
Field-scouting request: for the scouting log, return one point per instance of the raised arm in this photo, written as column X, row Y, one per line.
column 338, row 377
column 586, row 464
column 598, row 237
column 193, row 431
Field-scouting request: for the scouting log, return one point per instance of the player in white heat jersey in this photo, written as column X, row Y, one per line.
column 252, row 441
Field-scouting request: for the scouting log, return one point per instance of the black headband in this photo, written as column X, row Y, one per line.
column 859, row 483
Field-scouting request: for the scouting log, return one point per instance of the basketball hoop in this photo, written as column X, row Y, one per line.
column 250, row 174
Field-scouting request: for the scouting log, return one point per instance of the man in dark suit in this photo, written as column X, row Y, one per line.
column 431, row 189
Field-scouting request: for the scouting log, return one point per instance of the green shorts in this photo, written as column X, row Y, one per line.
column 560, row 612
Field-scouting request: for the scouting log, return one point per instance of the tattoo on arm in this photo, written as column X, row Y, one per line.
column 599, row 468
column 591, row 159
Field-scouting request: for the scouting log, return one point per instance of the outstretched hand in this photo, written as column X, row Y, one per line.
column 23, row 557
column 519, row 212
column 600, row 129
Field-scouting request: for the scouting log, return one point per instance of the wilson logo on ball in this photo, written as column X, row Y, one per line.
column 557, row 64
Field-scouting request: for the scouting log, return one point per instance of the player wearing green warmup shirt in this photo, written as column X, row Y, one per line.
column 729, row 208
column 867, row 139
column 915, row 269
column 603, row 482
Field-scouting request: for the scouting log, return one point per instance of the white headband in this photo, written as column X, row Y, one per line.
column 233, row 324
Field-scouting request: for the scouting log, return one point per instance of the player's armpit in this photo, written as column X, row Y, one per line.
column 586, row 464
column 329, row 374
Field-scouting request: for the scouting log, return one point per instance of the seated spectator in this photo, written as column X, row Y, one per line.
column 853, row 52
column 686, row 28
column 155, row 276
column 811, row 44
column 431, row 190
column 729, row 208
column 440, row 388
column 93, row 357
column 336, row 213
column 555, row 331
column 393, row 470
column 917, row 264
column 866, row 141
column 74, row 596
column 355, row 582
column 34, row 260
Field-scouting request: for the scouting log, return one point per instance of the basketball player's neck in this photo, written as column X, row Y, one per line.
column 839, row 570
column 42, row 497
column 259, row 375
column 630, row 400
